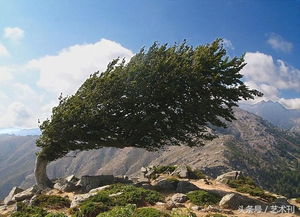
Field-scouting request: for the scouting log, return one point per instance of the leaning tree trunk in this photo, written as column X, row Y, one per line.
column 40, row 172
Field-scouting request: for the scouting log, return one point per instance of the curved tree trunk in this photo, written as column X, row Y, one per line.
column 40, row 173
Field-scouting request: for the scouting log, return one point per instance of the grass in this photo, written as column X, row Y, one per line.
column 201, row 198
column 51, row 201
column 29, row 211
column 215, row 215
column 247, row 185
column 56, row 215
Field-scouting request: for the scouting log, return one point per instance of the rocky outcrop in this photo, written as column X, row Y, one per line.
column 90, row 182
column 179, row 198
column 224, row 178
column 9, row 199
column 234, row 201
column 185, row 187
column 67, row 184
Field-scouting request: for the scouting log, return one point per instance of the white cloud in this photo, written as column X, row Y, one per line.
column 227, row 44
column 66, row 71
column 5, row 73
column 279, row 44
column 270, row 77
column 13, row 33
column 3, row 51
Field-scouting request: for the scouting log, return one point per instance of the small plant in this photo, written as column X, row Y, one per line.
column 182, row 213
column 149, row 212
column 215, row 215
column 56, row 215
column 51, row 201
column 29, row 211
column 126, row 211
column 195, row 174
column 91, row 209
column 203, row 198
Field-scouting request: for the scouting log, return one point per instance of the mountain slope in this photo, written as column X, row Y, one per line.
column 249, row 144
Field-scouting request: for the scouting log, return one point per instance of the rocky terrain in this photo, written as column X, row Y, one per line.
column 249, row 144
column 162, row 191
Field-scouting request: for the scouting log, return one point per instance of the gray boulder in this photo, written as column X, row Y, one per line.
column 91, row 182
column 185, row 187
column 65, row 185
column 234, row 201
column 179, row 198
column 27, row 194
column 9, row 199
column 166, row 185
column 224, row 178
column 181, row 171
column 81, row 197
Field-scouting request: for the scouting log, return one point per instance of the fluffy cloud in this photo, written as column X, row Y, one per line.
column 227, row 44
column 3, row 51
column 13, row 33
column 65, row 72
column 269, row 76
column 22, row 104
column 279, row 44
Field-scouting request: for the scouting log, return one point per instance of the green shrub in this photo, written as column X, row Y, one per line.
column 91, row 209
column 126, row 211
column 182, row 213
column 164, row 169
column 149, row 212
column 56, row 215
column 215, row 215
column 51, row 201
column 203, row 198
column 29, row 211
column 195, row 174
column 244, row 180
column 298, row 200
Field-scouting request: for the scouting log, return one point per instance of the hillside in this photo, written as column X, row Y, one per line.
column 249, row 144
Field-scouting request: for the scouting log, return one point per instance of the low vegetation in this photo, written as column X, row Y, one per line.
column 203, row 198
column 215, row 215
column 247, row 185
column 298, row 200
column 195, row 174
column 29, row 211
column 51, row 201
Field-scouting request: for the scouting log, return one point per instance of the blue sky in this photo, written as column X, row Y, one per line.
column 48, row 47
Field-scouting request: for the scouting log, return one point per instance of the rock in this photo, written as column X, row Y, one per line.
column 27, row 194
column 281, row 201
column 15, row 190
column 179, row 198
column 81, row 197
column 72, row 178
column 91, row 182
column 166, row 185
column 96, row 190
column 169, row 205
column 185, row 187
column 234, row 201
column 160, row 203
column 116, row 194
column 181, row 171
column 196, row 208
column 224, row 178
column 65, row 185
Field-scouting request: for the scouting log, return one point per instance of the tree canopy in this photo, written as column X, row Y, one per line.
column 166, row 95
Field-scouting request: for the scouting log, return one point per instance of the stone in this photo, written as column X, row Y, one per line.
column 169, row 205
column 185, row 187
column 116, row 194
column 65, row 185
column 181, row 171
column 179, row 198
column 15, row 190
column 72, row 178
column 91, row 182
column 166, row 185
column 96, row 190
column 27, row 194
column 234, row 201
column 196, row 208
column 160, row 203
column 224, row 178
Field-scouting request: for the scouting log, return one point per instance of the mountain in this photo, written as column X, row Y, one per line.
column 20, row 132
column 250, row 144
column 276, row 113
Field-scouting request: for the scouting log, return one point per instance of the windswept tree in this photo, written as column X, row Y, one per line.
column 166, row 95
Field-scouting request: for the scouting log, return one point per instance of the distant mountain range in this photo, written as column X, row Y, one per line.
column 20, row 132
column 276, row 113
column 269, row 154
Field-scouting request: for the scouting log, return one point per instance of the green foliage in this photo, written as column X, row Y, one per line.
column 298, row 200
column 51, row 201
column 247, row 185
column 126, row 211
column 29, row 211
column 163, row 96
column 164, row 169
column 215, row 215
column 102, row 201
column 91, row 209
column 201, row 198
column 182, row 213
column 149, row 212
column 56, row 215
